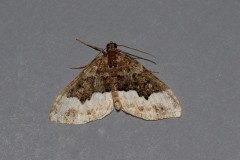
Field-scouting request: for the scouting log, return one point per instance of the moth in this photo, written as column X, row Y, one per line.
column 114, row 79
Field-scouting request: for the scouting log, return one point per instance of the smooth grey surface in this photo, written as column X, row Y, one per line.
column 197, row 45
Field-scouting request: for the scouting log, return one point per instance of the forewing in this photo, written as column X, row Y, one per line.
column 142, row 94
column 87, row 97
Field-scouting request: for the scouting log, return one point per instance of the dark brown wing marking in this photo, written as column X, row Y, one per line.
column 134, row 76
column 97, row 81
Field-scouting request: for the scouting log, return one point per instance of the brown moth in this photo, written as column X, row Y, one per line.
column 114, row 80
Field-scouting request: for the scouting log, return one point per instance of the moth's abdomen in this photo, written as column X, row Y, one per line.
column 113, row 69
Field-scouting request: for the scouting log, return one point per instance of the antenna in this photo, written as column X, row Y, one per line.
column 104, row 52
column 139, row 57
column 137, row 50
column 93, row 47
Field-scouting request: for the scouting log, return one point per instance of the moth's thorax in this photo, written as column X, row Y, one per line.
column 112, row 59
column 111, row 53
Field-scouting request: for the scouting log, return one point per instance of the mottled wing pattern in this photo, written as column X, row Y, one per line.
column 87, row 97
column 142, row 94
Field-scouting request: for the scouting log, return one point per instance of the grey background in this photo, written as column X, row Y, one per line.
column 197, row 48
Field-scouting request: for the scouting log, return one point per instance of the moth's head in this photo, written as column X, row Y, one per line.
column 111, row 46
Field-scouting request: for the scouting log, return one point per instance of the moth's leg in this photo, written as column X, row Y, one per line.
column 82, row 67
